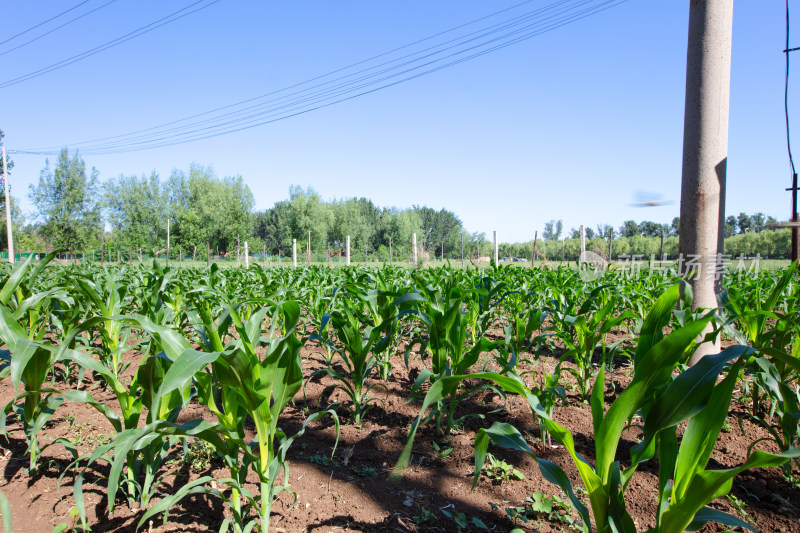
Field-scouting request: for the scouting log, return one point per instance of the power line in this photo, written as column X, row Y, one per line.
column 172, row 17
column 788, row 52
column 43, row 23
column 26, row 43
column 347, row 87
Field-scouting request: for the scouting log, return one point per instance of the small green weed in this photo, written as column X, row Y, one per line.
column 424, row 515
column 498, row 471
column 740, row 505
column 364, row 471
column 551, row 508
column 198, row 455
column 460, row 519
column 322, row 460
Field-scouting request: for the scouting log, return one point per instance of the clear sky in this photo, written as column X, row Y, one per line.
column 566, row 125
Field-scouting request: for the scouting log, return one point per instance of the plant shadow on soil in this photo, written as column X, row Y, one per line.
column 336, row 496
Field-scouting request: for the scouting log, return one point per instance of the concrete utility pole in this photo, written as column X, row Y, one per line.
column 294, row 252
column 495, row 248
column 583, row 244
column 246, row 256
column 167, row 243
column 8, row 211
column 347, row 250
column 705, row 151
column 414, row 248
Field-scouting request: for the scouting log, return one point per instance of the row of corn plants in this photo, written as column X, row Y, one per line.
column 231, row 340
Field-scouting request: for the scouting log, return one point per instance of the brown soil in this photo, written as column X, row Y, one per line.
column 334, row 497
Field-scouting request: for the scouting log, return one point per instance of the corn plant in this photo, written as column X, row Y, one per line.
column 445, row 321
column 446, row 387
column 762, row 323
column 30, row 360
column 588, row 331
column 160, row 388
column 109, row 298
column 242, row 385
column 357, row 357
column 685, row 484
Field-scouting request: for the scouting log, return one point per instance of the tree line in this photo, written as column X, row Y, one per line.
column 76, row 212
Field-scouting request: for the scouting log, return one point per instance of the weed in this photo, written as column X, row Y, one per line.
column 198, row 455
column 740, row 505
column 498, row 471
column 322, row 460
column 551, row 508
column 364, row 471
column 424, row 515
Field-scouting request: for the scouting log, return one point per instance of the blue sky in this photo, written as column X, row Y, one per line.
column 566, row 125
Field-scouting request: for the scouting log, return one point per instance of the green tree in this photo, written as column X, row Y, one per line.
column 759, row 222
column 730, row 226
column 552, row 230
column 67, row 202
column 744, row 222
column 137, row 210
column 207, row 209
column 630, row 228
column 675, row 227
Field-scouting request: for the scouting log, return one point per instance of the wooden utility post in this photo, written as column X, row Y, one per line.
column 795, row 221
column 705, row 152
column 9, row 231
column 208, row 254
column 610, row 243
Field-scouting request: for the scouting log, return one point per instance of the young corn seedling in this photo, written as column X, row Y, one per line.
column 685, row 484
column 358, row 341
column 589, row 330
column 244, row 385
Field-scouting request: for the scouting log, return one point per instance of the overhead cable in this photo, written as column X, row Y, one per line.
column 172, row 17
column 344, row 87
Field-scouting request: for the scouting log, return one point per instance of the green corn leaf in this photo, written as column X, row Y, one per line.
column 706, row 485
column 182, row 370
column 168, row 502
column 598, row 494
column 701, row 434
column 686, row 396
column 5, row 513
column 501, row 434
column 13, row 280
column 553, row 473
column 709, row 514
column 654, row 370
